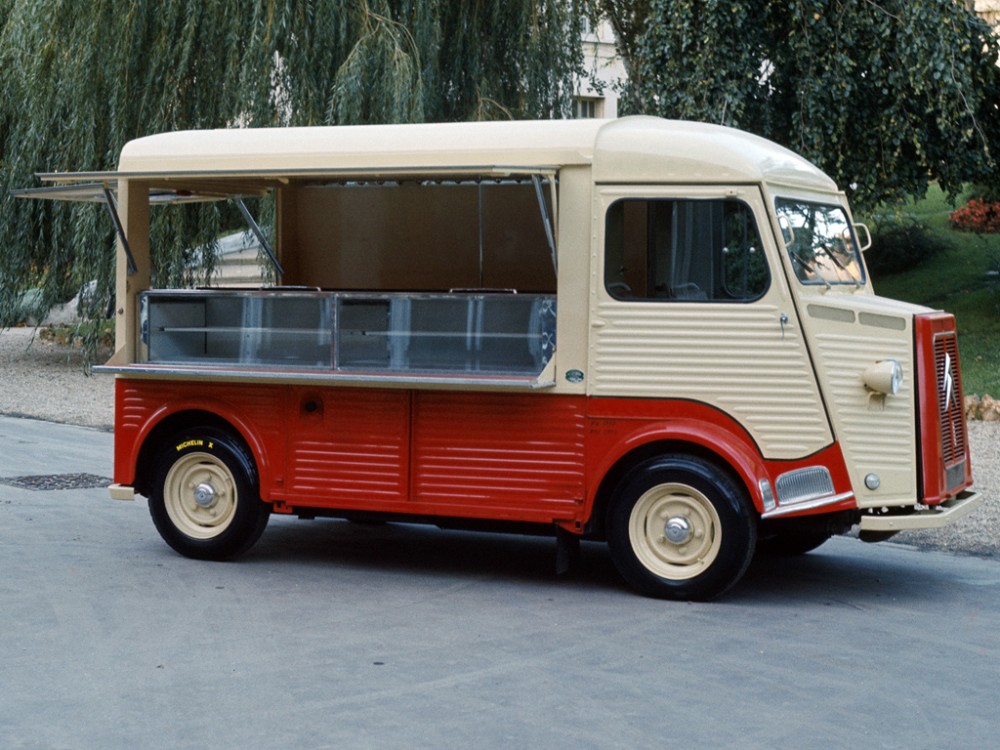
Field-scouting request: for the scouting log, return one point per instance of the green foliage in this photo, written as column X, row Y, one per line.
column 902, row 245
column 884, row 96
column 80, row 79
column 380, row 79
column 984, row 191
column 957, row 280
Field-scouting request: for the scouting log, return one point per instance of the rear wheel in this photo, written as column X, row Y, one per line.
column 679, row 527
column 205, row 500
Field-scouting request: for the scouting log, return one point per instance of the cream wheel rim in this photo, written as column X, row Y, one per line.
column 200, row 496
column 675, row 531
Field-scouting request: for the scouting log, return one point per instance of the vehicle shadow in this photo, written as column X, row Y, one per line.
column 838, row 571
column 428, row 550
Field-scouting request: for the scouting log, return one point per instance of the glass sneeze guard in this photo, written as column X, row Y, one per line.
column 381, row 333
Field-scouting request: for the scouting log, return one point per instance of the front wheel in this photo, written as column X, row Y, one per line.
column 205, row 500
column 680, row 528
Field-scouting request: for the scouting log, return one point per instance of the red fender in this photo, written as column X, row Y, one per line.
column 129, row 442
column 685, row 422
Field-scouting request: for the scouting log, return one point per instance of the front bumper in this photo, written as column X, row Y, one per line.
column 933, row 517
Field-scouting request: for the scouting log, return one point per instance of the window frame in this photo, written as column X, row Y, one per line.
column 744, row 197
column 785, row 246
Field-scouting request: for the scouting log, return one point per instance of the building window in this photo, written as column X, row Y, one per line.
column 587, row 107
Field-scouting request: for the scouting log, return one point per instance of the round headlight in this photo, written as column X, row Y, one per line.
column 884, row 377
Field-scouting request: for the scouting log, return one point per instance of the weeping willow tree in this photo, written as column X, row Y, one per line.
column 885, row 96
column 78, row 80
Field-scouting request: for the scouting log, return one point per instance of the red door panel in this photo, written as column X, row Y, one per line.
column 348, row 448
column 507, row 452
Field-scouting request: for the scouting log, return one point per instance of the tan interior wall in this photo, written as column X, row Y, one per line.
column 636, row 252
column 415, row 237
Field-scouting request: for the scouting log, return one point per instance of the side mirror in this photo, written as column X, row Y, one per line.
column 867, row 241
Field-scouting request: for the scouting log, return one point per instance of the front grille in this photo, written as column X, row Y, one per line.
column 950, row 400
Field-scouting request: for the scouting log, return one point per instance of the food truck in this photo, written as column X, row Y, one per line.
column 659, row 334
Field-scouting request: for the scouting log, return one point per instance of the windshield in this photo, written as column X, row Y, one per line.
column 820, row 242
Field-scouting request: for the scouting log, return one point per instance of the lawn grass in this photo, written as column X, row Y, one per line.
column 958, row 281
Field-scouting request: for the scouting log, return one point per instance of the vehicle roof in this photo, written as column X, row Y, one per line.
column 627, row 150
column 650, row 149
column 425, row 146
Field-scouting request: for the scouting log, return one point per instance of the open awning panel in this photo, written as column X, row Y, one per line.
column 94, row 192
column 189, row 187
column 171, row 187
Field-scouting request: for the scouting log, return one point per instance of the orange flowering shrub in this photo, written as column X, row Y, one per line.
column 977, row 215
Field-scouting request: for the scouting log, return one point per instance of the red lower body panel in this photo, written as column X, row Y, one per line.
column 531, row 457
column 499, row 456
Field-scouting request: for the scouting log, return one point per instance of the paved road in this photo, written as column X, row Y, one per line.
column 333, row 635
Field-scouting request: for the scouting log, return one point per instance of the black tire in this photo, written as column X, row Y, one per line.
column 707, row 516
column 205, row 496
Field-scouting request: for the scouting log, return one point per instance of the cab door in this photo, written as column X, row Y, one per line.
column 689, row 303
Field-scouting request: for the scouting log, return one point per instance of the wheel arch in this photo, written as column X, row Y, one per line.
column 742, row 463
column 178, row 421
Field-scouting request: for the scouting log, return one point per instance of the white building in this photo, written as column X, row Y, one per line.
column 605, row 68
column 989, row 11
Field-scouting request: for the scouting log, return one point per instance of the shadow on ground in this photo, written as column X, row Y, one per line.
column 842, row 569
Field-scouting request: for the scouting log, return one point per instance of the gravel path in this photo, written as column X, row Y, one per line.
column 46, row 381
column 42, row 380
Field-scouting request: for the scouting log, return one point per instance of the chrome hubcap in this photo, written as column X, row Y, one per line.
column 677, row 530
column 204, row 495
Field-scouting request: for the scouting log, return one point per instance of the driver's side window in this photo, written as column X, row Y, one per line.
column 683, row 250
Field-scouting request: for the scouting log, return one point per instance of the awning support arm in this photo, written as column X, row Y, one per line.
column 112, row 204
column 479, row 203
column 536, row 181
column 259, row 234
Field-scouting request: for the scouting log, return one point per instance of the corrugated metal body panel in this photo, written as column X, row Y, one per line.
column 851, row 332
column 876, row 436
column 138, row 401
column 734, row 357
column 133, row 408
column 352, row 448
column 259, row 405
column 500, row 451
column 505, row 456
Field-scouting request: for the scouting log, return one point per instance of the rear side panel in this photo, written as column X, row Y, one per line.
column 504, row 456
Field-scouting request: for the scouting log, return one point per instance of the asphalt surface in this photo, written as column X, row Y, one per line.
column 336, row 635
